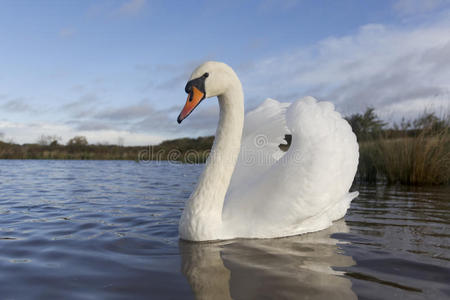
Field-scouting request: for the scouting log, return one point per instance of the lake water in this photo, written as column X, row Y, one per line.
column 109, row 230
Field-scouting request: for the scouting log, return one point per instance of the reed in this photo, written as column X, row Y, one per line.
column 413, row 160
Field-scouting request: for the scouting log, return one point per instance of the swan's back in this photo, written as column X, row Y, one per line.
column 302, row 190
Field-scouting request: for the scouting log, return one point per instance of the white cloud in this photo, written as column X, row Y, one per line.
column 29, row 133
column 132, row 7
column 380, row 66
column 411, row 7
column 399, row 70
column 137, row 123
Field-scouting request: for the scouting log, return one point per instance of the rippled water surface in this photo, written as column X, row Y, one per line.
column 108, row 230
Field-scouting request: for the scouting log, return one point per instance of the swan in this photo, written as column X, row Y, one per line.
column 249, row 188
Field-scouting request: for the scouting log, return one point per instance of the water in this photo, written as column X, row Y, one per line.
column 108, row 230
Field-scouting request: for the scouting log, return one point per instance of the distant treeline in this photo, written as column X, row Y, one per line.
column 78, row 148
column 412, row 152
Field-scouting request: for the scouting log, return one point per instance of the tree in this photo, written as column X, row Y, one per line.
column 2, row 135
column 54, row 143
column 45, row 140
column 366, row 125
column 78, row 141
column 430, row 121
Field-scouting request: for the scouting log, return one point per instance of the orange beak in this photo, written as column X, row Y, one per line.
column 194, row 99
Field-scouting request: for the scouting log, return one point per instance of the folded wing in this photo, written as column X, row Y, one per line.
column 301, row 190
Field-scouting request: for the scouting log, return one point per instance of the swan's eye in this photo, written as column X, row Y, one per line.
column 205, row 75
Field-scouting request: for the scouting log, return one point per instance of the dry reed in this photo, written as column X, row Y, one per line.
column 421, row 159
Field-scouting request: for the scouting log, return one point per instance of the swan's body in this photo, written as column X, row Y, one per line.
column 249, row 187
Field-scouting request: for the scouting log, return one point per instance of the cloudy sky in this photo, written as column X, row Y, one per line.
column 115, row 70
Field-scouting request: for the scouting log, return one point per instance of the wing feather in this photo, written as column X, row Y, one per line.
column 302, row 190
column 264, row 130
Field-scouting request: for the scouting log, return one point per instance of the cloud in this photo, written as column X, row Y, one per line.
column 131, row 7
column 92, row 126
column 26, row 133
column 381, row 66
column 143, row 117
column 412, row 7
column 399, row 70
column 17, row 105
column 135, row 111
column 84, row 106
column 203, row 121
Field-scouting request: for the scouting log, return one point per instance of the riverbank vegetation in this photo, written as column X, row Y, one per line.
column 78, row 148
column 412, row 152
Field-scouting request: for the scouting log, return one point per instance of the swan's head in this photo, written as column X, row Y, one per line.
column 208, row 80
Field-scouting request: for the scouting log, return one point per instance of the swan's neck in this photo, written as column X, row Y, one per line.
column 202, row 216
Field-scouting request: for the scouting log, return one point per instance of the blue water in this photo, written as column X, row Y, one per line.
column 109, row 230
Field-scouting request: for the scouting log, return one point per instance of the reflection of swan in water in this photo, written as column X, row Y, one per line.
column 293, row 267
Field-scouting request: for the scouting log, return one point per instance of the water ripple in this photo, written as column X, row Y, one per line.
column 109, row 229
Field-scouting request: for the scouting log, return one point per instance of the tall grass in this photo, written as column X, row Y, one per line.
column 413, row 160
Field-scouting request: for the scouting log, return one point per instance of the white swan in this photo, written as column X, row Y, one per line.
column 249, row 187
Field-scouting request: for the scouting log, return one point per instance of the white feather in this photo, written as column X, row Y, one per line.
column 270, row 193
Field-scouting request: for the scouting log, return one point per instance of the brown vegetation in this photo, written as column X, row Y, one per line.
column 78, row 148
column 422, row 159
column 412, row 152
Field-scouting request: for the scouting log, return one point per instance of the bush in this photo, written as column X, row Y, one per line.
column 366, row 126
column 78, row 141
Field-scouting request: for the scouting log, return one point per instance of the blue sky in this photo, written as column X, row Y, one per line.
column 116, row 69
